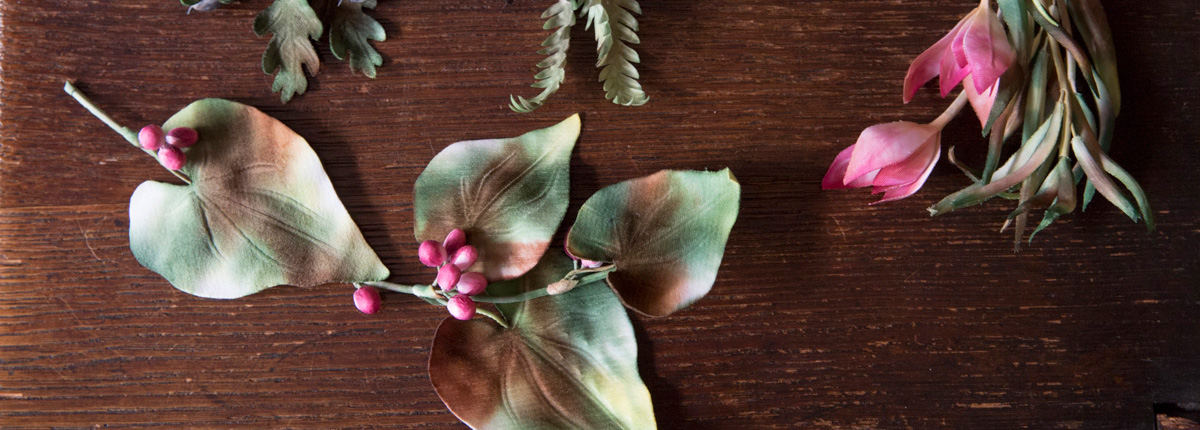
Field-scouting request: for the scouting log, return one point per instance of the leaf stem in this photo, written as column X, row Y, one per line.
column 494, row 316
column 124, row 131
column 425, row 291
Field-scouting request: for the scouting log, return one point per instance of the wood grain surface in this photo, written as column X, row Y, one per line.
column 827, row 313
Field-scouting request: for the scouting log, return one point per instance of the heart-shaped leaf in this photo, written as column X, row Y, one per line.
column 260, row 211
column 508, row 195
column 569, row 361
column 665, row 233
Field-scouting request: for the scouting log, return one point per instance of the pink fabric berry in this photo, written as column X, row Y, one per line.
column 461, row 307
column 182, row 137
column 171, row 157
column 465, row 257
column 151, row 137
column 472, row 283
column 367, row 300
column 448, row 276
column 431, row 253
column 454, row 240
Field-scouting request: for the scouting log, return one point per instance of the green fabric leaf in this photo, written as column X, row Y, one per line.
column 665, row 233
column 616, row 28
column 350, row 33
column 1089, row 18
column 569, row 361
column 293, row 22
column 560, row 15
column 508, row 195
column 260, row 211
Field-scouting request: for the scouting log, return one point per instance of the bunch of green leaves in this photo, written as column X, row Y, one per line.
column 294, row 24
column 1062, row 99
column 257, row 210
column 615, row 30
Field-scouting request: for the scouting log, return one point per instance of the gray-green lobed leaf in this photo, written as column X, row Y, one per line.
column 293, row 23
column 350, row 33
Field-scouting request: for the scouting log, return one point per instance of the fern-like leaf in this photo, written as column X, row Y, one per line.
column 293, row 23
column 560, row 15
column 616, row 28
column 350, row 33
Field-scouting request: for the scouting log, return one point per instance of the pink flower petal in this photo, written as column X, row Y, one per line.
column 901, row 191
column 927, row 65
column 910, row 169
column 987, row 49
column 837, row 171
column 951, row 74
column 981, row 103
column 883, row 145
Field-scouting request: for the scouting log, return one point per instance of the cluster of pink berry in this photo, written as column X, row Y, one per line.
column 451, row 258
column 169, row 145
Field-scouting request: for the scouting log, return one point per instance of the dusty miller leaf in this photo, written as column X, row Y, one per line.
column 560, row 15
column 615, row 28
column 260, row 211
column 293, row 23
column 569, row 361
column 508, row 195
column 665, row 233
column 350, row 33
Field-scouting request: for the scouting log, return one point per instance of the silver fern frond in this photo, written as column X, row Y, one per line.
column 560, row 15
column 616, row 28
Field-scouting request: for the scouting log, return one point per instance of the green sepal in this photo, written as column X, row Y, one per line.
column 665, row 233
column 567, row 361
column 259, row 212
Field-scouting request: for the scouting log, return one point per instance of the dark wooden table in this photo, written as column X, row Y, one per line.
column 827, row 313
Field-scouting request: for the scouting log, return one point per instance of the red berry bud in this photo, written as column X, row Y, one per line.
column 472, row 283
column 448, row 276
column 431, row 253
column 182, row 137
column 461, row 307
column 465, row 257
column 454, row 240
column 171, row 157
column 151, row 137
column 366, row 299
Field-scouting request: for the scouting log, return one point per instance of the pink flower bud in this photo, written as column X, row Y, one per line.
column 151, row 137
column 472, row 283
column 589, row 264
column 171, row 157
column 465, row 257
column 431, row 253
column 461, row 307
column 448, row 276
column 366, row 299
column 182, row 137
column 454, row 240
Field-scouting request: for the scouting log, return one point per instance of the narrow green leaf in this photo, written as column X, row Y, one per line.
column 561, row 17
column 350, row 33
column 1089, row 18
column 1089, row 156
column 260, row 211
column 616, row 28
column 1016, row 17
column 665, row 233
column 568, row 361
column 508, row 195
column 293, row 23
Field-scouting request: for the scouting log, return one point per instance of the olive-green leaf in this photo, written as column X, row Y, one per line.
column 260, row 211
column 665, row 233
column 508, row 195
column 293, row 22
column 568, row 361
column 350, row 33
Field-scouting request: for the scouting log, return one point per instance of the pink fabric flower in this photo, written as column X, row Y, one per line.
column 977, row 46
column 894, row 158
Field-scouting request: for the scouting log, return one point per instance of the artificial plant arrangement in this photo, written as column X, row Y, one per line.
column 294, row 24
column 615, row 29
column 557, row 350
column 1043, row 71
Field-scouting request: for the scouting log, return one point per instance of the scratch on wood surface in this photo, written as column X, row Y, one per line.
column 88, row 242
column 840, row 229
